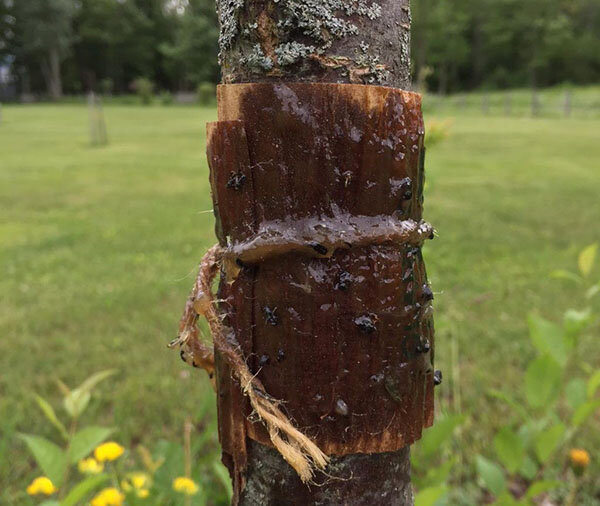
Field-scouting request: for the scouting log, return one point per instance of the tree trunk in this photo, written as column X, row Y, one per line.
column 339, row 330
column 51, row 73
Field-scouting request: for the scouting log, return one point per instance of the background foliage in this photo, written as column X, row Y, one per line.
column 104, row 45
column 99, row 246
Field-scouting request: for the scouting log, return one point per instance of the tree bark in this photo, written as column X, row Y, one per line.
column 51, row 73
column 320, row 41
column 335, row 41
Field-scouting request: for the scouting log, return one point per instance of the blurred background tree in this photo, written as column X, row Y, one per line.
column 458, row 45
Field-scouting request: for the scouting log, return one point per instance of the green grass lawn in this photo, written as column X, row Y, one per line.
column 98, row 249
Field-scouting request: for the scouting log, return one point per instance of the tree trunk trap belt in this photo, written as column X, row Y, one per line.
column 322, row 328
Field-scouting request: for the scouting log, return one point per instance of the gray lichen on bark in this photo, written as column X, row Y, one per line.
column 353, row 480
column 315, row 40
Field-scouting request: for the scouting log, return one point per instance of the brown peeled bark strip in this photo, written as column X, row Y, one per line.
column 298, row 450
column 344, row 337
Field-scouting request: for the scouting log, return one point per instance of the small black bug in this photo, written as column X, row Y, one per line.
column 344, row 281
column 366, row 323
column 236, row 180
column 271, row 316
column 424, row 347
column 427, row 293
column 319, row 248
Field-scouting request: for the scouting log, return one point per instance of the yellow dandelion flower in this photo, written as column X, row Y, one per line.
column 41, row 485
column 135, row 481
column 580, row 459
column 143, row 493
column 108, row 497
column 90, row 466
column 185, row 486
column 108, row 451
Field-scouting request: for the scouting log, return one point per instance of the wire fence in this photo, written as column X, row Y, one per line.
column 568, row 103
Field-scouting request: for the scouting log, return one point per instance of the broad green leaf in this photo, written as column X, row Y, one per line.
column 547, row 442
column 51, row 459
column 574, row 323
column 506, row 499
column 491, row 474
column 584, row 411
column 82, row 489
column 567, row 275
column 89, row 384
column 48, row 410
column 442, row 430
column 542, row 382
column 539, row 487
column 85, row 441
column 76, row 402
column 586, row 259
column 77, row 399
column 50, row 502
column 593, row 385
column 575, row 392
column 592, row 291
column 509, row 448
column 529, row 468
column 547, row 337
column 429, row 496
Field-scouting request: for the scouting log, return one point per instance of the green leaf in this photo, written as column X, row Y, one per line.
column 593, row 385
column 48, row 410
column 547, row 337
column 429, row 496
column 506, row 499
column 539, row 487
column 509, row 448
column 86, row 440
column 542, row 382
column 438, row 475
column 77, row 399
column 566, row 275
column 592, row 291
column 76, row 402
column 50, row 502
column 82, row 489
column 586, row 259
column 529, row 468
column 434, row 437
column 547, row 442
column 223, row 477
column 584, row 411
column 574, row 323
column 89, row 384
column 51, row 459
column 575, row 392
column 491, row 474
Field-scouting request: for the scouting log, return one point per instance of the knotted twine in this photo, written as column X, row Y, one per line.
column 295, row 447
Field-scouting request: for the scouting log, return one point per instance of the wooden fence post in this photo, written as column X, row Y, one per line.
column 535, row 103
column 98, row 135
column 508, row 105
column 568, row 103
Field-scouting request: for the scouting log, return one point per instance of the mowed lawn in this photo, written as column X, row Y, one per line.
column 98, row 249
